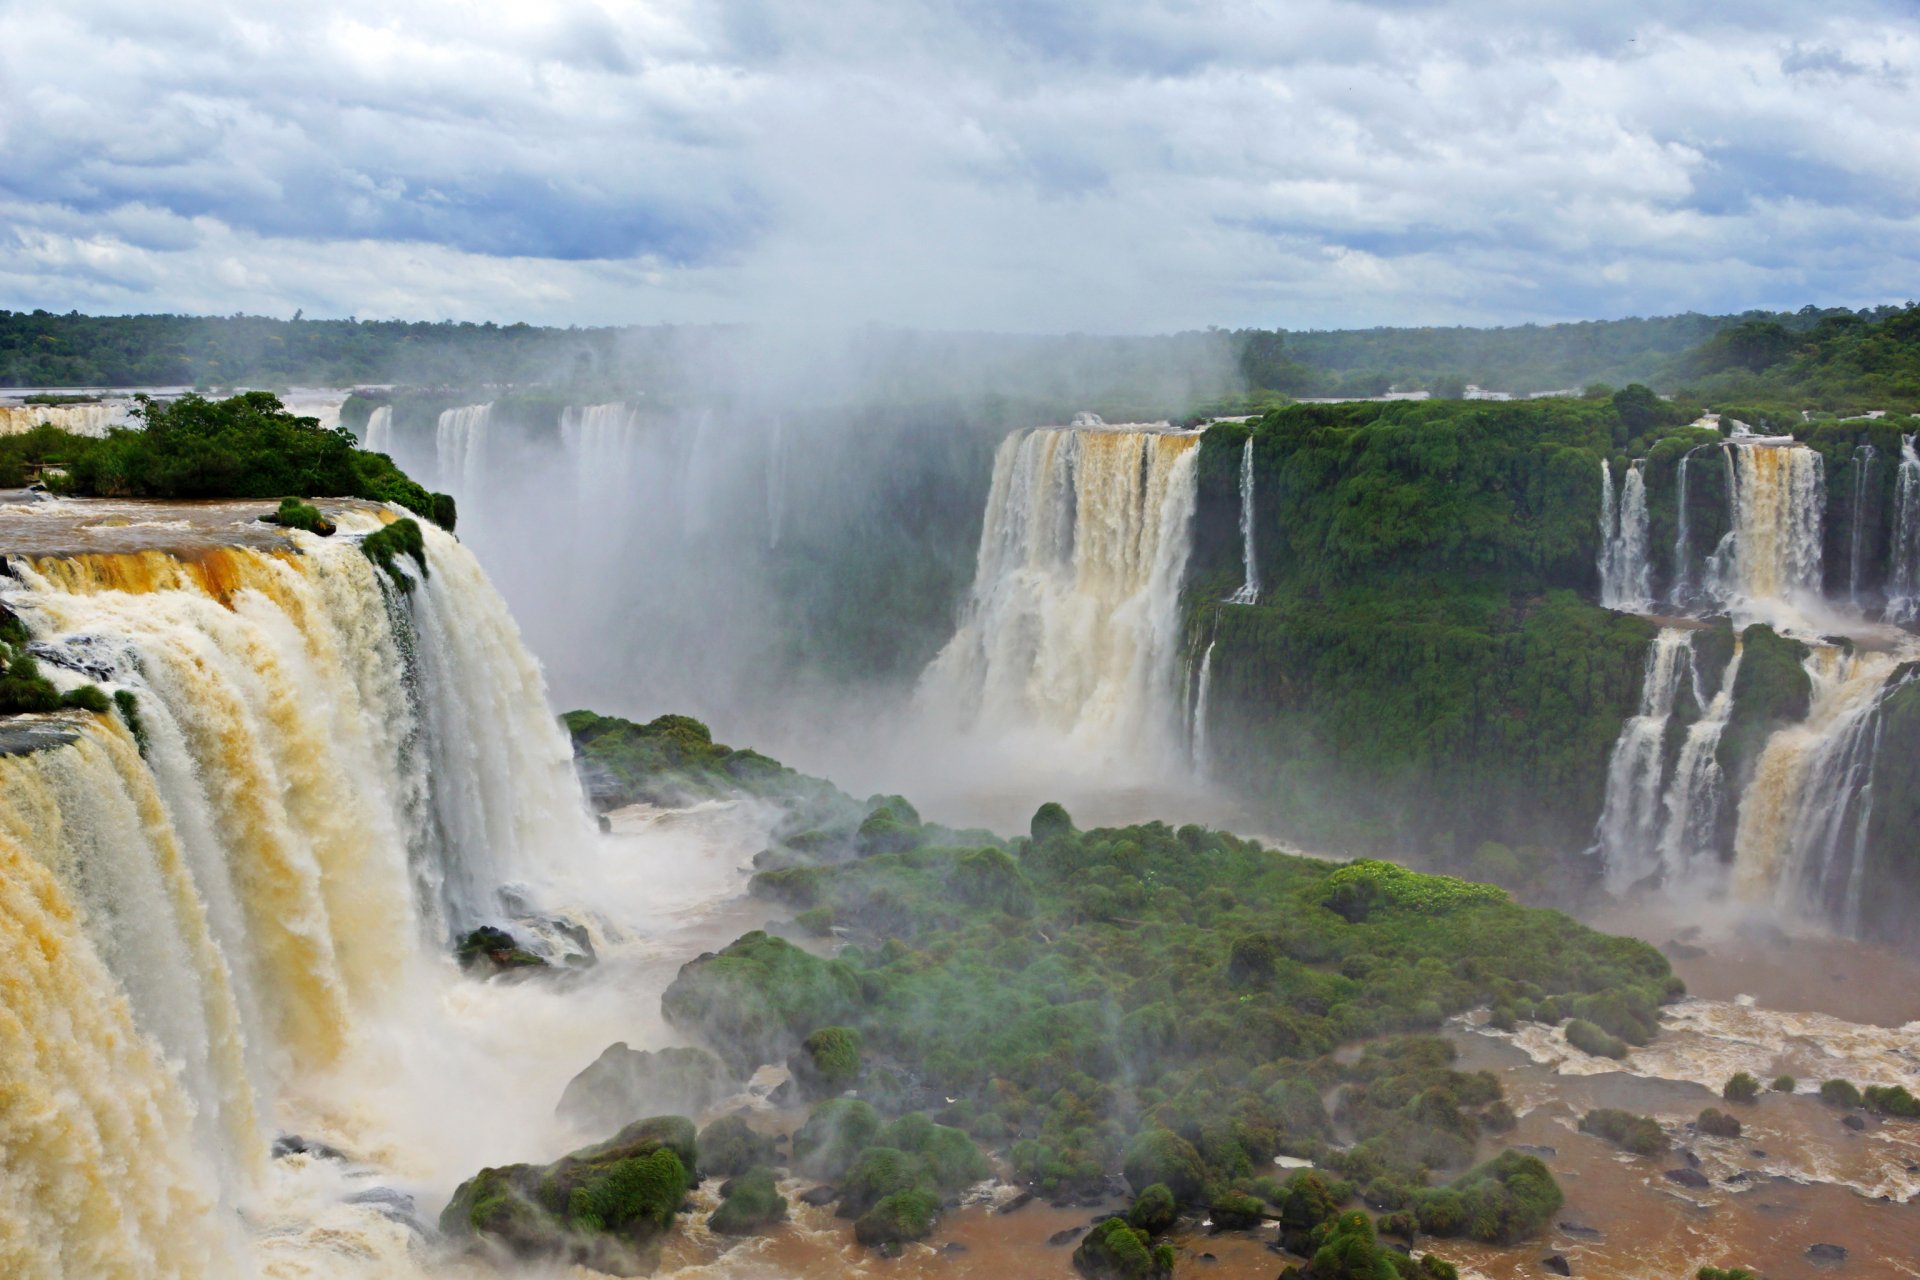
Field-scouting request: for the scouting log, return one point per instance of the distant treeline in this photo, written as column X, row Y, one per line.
column 1824, row 348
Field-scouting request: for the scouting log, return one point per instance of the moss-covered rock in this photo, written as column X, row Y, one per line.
column 1641, row 1135
column 1502, row 1201
column 604, row 1206
column 1153, row 1210
column 1162, row 1156
column 490, row 949
column 749, row 1203
column 756, row 1000
column 1115, row 1251
column 876, row 1173
column 730, row 1146
column 827, row 1062
column 834, row 1136
column 898, row 1219
column 1771, row 689
column 1236, row 1211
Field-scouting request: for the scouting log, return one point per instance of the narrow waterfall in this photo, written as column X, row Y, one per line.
column 1197, row 734
column 1626, row 574
column 1249, row 592
column 1681, row 594
column 1903, row 583
column 1777, row 494
column 1696, row 794
column 329, row 775
column 1803, row 820
column 1073, row 622
column 1629, row 828
column 1862, row 473
column 460, row 447
column 380, row 430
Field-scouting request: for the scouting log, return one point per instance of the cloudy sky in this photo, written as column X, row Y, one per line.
column 1103, row 165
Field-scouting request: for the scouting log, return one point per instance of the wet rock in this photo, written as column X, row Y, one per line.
column 953, row 1246
column 624, row 1084
column 1207, row 1257
column 1742, row 1177
column 292, row 1144
column 1067, row 1237
column 491, row 950
column 1558, row 1264
column 1757, row 1154
column 1016, row 1204
column 1826, row 1253
column 1581, row 1230
column 1544, row 1153
column 819, row 1197
column 1853, row 1122
column 397, row 1205
column 1693, row 1161
column 1687, row 1178
column 1678, row 950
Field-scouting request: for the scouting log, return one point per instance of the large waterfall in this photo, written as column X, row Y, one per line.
column 460, row 447
column 1778, row 501
column 206, row 900
column 90, row 419
column 1073, row 622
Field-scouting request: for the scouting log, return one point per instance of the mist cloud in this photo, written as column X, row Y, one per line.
column 1048, row 164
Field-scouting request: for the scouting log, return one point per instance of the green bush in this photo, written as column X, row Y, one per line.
column 750, row 1202
column 1840, row 1093
column 729, row 1146
column 833, row 1137
column 1502, row 1201
column 1892, row 1100
column 828, row 1061
column 1741, row 1088
column 400, row 538
column 1114, row 1250
column 1784, row 1084
column 295, row 514
column 898, row 1219
column 1153, row 1210
column 875, row 1174
column 1164, row 1157
column 1641, row 1135
column 1587, row 1038
column 1718, row 1124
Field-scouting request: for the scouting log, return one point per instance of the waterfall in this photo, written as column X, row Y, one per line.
column 1903, row 585
column 1696, row 794
column 1629, row 827
column 330, row 775
column 380, row 430
column 1862, row 471
column 1626, row 575
column 1249, row 592
column 94, row 419
column 1777, row 496
column 460, row 446
column 1073, row 621
column 1197, row 735
column 1803, row 820
column 604, row 441
column 1682, row 592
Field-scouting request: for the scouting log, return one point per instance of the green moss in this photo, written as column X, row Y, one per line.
column 828, row 1061
column 729, row 1146
column 1114, row 1250
column 400, row 538
column 750, row 1203
column 129, row 705
column 1164, row 1157
column 1771, row 689
column 1153, row 1210
column 1236, row 1211
column 295, row 514
column 898, row 1219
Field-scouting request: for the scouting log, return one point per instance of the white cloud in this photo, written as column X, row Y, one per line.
column 1013, row 164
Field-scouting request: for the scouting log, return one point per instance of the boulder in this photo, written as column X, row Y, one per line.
column 623, row 1084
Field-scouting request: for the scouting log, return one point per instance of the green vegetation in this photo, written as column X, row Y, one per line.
column 1641, row 1135
column 1741, row 1088
column 1588, row 1038
column 1213, row 977
column 295, row 514
column 1784, row 1084
column 1840, row 1093
column 248, row 446
column 24, row 690
column 1114, row 1250
column 1724, row 1273
column 385, row 547
column 729, row 1146
column 605, row 1206
column 1716, row 1123
column 1891, row 1100
column 1839, row 361
column 749, row 1203
column 672, row 760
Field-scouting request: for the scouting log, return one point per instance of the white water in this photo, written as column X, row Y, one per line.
column 1903, row 586
column 93, row 419
column 1629, row 826
column 1201, row 701
column 1249, row 592
column 1769, row 560
column 460, row 441
column 226, row 932
column 1626, row 575
column 380, row 430
column 1862, row 473
column 1682, row 592
column 1072, row 627
column 1697, row 792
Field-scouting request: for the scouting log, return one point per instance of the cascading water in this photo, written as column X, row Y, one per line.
column 1696, row 793
column 1073, row 621
column 1862, row 474
column 460, row 447
column 94, row 419
column 1629, row 827
column 1903, row 582
column 1771, row 554
column 1197, row 735
column 1626, row 575
column 330, row 774
column 380, row 430
column 1249, row 592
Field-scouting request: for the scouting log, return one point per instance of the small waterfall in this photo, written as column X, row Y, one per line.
column 460, row 445
column 603, row 440
column 1249, row 592
column 1626, row 575
column 1777, row 494
column 380, row 430
column 1862, row 472
column 332, row 774
column 1903, row 585
column 1683, row 591
column 1697, row 792
column 1801, row 840
column 1073, row 623
column 1629, row 828
column 1197, row 734
column 95, row 419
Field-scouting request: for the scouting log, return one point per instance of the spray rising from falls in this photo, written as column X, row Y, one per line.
column 1073, row 622
column 329, row 775
column 380, row 430
column 1249, row 592
column 1626, row 575
column 460, row 448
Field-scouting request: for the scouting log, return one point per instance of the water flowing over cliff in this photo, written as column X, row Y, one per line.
column 1249, row 592
column 1626, row 578
column 1073, row 623
column 1772, row 554
column 1903, row 586
column 321, row 778
column 94, row 419
column 460, row 448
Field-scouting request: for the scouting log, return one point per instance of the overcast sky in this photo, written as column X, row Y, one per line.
column 1104, row 165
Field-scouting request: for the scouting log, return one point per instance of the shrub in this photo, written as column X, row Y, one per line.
column 1716, row 1123
column 729, row 1146
column 833, row 1137
column 1502, row 1201
column 750, row 1202
column 897, row 1219
column 1893, row 1100
column 1162, row 1156
column 1587, row 1038
column 1784, row 1084
column 828, row 1061
column 1741, row 1088
column 295, row 514
column 1236, row 1211
column 1050, row 821
column 1114, row 1250
column 1350, row 1252
column 1641, row 1135
column 1840, row 1093
column 385, row 546
column 1153, row 1210
column 877, row 1173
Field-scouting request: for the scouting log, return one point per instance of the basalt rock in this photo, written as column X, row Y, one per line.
column 623, row 1084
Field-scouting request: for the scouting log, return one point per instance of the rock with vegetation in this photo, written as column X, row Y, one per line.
column 901, row 1218
column 295, row 514
column 670, row 760
column 1716, row 1123
column 730, row 1146
column 1641, row 1135
column 386, row 545
column 1840, row 1093
column 757, row 1000
column 1741, row 1088
column 833, row 1137
column 605, row 1207
column 1502, row 1201
column 750, row 1203
column 623, row 1084
column 827, row 1062
column 492, row 950
column 1153, row 1210
column 1113, row 1250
